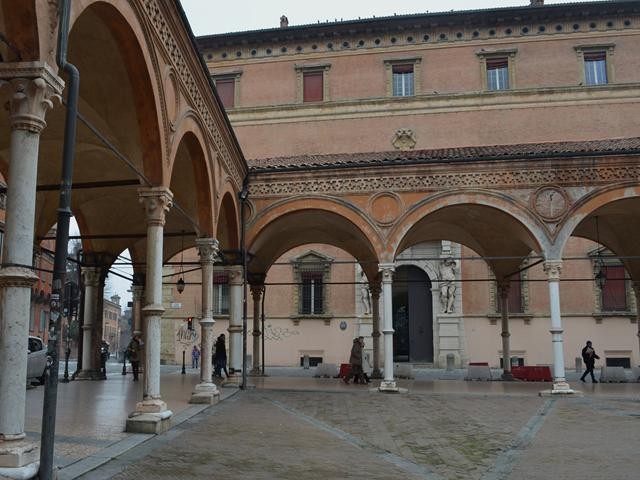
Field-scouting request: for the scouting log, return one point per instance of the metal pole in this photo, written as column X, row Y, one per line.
column 183, row 366
column 62, row 241
column 124, row 362
column 264, row 294
column 243, row 248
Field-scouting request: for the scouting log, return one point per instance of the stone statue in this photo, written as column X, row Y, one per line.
column 447, row 285
column 365, row 294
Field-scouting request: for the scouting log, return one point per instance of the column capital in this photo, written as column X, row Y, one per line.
column 207, row 250
column 156, row 201
column 31, row 88
column 387, row 269
column 375, row 288
column 137, row 292
column 257, row 289
column 235, row 275
column 553, row 269
column 91, row 276
column 503, row 288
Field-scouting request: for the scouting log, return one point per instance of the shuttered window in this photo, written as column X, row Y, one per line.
column 226, row 91
column 313, row 86
column 614, row 291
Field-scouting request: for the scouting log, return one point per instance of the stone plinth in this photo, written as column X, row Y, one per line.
column 150, row 416
column 205, row 394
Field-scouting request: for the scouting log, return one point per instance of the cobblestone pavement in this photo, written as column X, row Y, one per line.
column 357, row 433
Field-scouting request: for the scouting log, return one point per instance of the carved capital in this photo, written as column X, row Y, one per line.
column 156, row 201
column 235, row 275
column 553, row 269
column 503, row 289
column 387, row 269
column 257, row 289
column 91, row 276
column 31, row 89
column 208, row 250
column 375, row 288
column 137, row 293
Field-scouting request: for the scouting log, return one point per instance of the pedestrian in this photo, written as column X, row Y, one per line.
column 195, row 356
column 104, row 356
column 133, row 350
column 220, row 357
column 355, row 359
column 589, row 357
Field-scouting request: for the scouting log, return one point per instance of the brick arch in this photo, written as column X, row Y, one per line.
column 197, row 193
column 618, row 211
column 313, row 219
column 228, row 226
column 491, row 224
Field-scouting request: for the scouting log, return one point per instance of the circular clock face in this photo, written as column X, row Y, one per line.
column 550, row 202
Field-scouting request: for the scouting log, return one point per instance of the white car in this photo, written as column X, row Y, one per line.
column 36, row 360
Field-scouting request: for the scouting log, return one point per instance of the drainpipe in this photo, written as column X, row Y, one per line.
column 62, row 240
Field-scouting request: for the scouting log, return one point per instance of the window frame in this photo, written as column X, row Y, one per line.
column 234, row 77
column 312, row 68
column 390, row 63
column 321, row 266
column 607, row 49
column 218, row 294
column 492, row 55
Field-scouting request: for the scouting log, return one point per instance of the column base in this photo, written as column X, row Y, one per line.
column 233, row 381
column 560, row 387
column 377, row 374
column 256, row 372
column 90, row 375
column 205, row 393
column 507, row 377
column 151, row 416
column 389, row 386
column 19, row 459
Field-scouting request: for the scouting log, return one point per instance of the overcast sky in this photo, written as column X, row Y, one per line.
column 217, row 16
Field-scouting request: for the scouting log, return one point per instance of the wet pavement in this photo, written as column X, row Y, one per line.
column 293, row 426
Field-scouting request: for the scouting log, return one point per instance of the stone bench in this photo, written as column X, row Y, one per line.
column 403, row 370
column 326, row 370
column 613, row 375
column 478, row 372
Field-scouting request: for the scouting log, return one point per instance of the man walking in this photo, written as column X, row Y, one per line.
column 133, row 350
column 589, row 357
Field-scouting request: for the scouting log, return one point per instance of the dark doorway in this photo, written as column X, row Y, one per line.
column 412, row 316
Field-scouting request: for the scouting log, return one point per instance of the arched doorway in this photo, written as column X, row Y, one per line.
column 412, row 316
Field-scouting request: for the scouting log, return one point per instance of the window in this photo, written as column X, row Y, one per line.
column 227, row 85
column 43, row 320
column 497, row 74
column 597, row 68
column 402, row 80
column 313, row 87
column 311, row 273
column 515, row 301
column 220, row 294
column 312, row 83
column 403, row 76
column 497, row 68
column 614, row 291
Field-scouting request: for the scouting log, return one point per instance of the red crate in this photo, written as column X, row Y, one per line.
column 532, row 374
column 345, row 369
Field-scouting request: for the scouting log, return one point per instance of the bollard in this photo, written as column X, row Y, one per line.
column 578, row 364
column 305, row 362
column 451, row 361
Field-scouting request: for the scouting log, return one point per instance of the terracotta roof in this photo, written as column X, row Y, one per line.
column 493, row 152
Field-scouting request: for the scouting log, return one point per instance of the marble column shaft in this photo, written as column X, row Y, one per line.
column 29, row 90
column 91, row 280
column 503, row 294
column 208, row 251
column 387, row 269
column 235, row 319
column 375, row 289
column 257, row 290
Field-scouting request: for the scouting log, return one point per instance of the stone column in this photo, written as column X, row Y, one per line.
column 375, row 289
column 151, row 414
column 388, row 384
column 206, row 391
column 137, row 296
column 636, row 291
column 503, row 293
column 91, row 280
column 257, row 290
column 28, row 89
column 235, row 323
column 553, row 269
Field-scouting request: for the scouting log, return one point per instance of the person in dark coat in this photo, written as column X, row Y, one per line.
column 220, row 357
column 589, row 357
column 133, row 352
column 355, row 359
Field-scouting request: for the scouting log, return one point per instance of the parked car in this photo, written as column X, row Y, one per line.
column 36, row 360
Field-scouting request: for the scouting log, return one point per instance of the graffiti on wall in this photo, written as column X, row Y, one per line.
column 186, row 336
column 278, row 334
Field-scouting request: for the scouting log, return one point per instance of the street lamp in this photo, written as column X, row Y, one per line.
column 600, row 276
column 180, row 283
